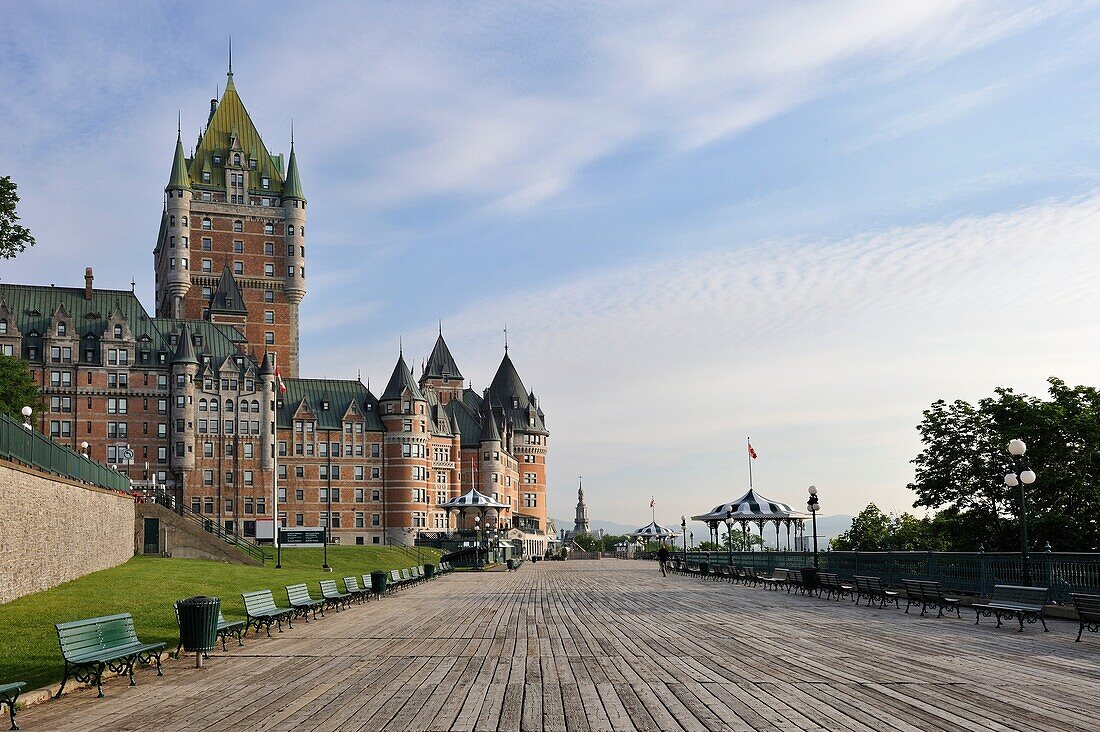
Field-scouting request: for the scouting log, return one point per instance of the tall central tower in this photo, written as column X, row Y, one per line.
column 232, row 244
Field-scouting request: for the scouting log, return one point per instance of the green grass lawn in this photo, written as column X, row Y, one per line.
column 147, row 587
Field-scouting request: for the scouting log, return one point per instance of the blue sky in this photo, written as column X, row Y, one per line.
column 800, row 222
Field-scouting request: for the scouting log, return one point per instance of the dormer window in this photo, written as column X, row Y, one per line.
column 62, row 329
column 118, row 331
column 265, row 182
column 217, row 160
column 515, row 403
column 236, row 158
column 252, row 163
column 3, row 327
column 206, row 176
column 324, row 405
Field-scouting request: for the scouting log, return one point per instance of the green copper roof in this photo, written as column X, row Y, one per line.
column 179, row 177
column 232, row 118
column 33, row 306
column 293, row 186
column 212, row 342
column 339, row 393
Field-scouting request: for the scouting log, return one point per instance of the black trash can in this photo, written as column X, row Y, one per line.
column 704, row 569
column 511, row 564
column 429, row 571
column 199, row 625
column 810, row 579
column 378, row 581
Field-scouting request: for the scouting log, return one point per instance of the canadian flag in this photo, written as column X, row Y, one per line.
column 651, row 503
column 279, row 381
column 752, row 453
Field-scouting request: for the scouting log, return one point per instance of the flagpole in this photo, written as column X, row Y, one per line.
column 275, row 483
column 652, row 510
column 748, row 456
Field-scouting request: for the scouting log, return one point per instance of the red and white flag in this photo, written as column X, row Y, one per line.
column 752, row 453
column 651, row 503
column 279, row 381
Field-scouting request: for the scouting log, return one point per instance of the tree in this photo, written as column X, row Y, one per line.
column 588, row 542
column 869, row 532
column 13, row 237
column 17, row 388
column 961, row 469
column 874, row 531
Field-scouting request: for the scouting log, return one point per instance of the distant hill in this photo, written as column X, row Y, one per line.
column 828, row 527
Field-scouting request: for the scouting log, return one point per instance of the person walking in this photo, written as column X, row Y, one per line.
column 662, row 559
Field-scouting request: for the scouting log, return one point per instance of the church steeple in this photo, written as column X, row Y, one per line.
column 580, row 524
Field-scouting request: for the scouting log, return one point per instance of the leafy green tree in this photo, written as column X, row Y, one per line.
column 13, row 237
column 874, row 531
column 610, row 541
column 17, row 388
column 588, row 542
column 960, row 470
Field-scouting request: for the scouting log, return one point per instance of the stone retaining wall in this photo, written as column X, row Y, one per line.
column 53, row 531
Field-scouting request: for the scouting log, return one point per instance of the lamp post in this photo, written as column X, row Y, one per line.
column 84, row 448
column 692, row 535
column 729, row 536
column 1021, row 475
column 684, row 529
column 813, row 506
column 26, row 416
column 477, row 540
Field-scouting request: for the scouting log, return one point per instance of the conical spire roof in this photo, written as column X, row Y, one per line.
column 179, row 178
column 401, row 379
column 489, row 430
column 185, row 349
column 441, row 363
column 227, row 298
column 292, row 188
column 507, row 385
column 266, row 369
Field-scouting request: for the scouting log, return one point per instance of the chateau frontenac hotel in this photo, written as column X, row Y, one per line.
column 204, row 399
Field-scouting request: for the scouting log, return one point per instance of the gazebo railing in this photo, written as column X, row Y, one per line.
column 970, row 573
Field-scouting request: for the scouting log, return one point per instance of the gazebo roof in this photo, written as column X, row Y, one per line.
column 751, row 507
column 473, row 499
column 653, row 530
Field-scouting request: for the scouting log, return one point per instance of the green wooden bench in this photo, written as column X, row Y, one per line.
column 262, row 611
column 226, row 628
column 1013, row 601
column 873, row 588
column 928, row 594
column 94, row 645
column 396, row 581
column 368, row 586
column 351, row 585
column 750, row 576
column 407, row 576
column 333, row 596
column 1088, row 612
column 9, row 694
column 301, row 602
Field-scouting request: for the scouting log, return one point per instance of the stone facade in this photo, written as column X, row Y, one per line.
column 53, row 531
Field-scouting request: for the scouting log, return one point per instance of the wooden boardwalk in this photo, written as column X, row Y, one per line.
column 611, row 645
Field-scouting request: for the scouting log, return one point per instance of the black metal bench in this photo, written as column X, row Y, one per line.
column 777, row 579
column 928, row 594
column 92, row 646
column 333, row 596
column 750, row 576
column 1088, row 612
column 9, row 694
column 831, row 585
column 261, row 610
column 352, row 586
column 873, row 588
column 301, row 603
column 226, row 628
column 1014, row 601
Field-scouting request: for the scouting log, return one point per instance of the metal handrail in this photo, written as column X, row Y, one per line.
column 29, row 447
column 166, row 499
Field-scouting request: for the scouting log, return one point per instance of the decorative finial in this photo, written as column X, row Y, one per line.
column 440, row 326
column 292, row 133
column 231, row 55
column 400, row 347
column 179, row 126
column 505, row 339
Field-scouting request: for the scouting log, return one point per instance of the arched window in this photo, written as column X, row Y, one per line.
column 236, row 158
column 214, row 405
column 62, row 329
column 202, row 405
column 206, row 223
column 303, row 229
column 290, row 230
column 255, row 407
column 229, row 405
column 118, row 331
column 238, row 226
column 183, row 220
column 172, row 220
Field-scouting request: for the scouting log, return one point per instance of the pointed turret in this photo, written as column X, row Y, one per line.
column 441, row 363
column 179, row 180
column 266, row 369
column 507, row 387
column 292, row 187
column 227, row 298
column 185, row 349
column 489, row 430
column 401, row 379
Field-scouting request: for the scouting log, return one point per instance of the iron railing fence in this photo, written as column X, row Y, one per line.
column 207, row 524
column 31, row 448
column 969, row 573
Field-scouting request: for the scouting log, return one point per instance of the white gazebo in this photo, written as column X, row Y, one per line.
column 753, row 508
column 652, row 531
column 477, row 503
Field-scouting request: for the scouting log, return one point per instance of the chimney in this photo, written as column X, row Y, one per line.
column 88, row 284
column 213, row 108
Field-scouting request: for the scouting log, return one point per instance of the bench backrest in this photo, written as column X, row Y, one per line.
column 367, row 583
column 1088, row 606
column 405, row 575
column 351, row 584
column 298, row 594
column 80, row 637
column 258, row 602
column 395, row 575
column 328, row 588
column 1020, row 595
column 779, row 573
column 869, row 584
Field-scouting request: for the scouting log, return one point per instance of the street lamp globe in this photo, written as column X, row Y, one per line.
column 26, row 411
column 729, row 523
column 1011, row 480
column 1027, row 477
column 813, row 490
column 1016, row 447
column 683, row 520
